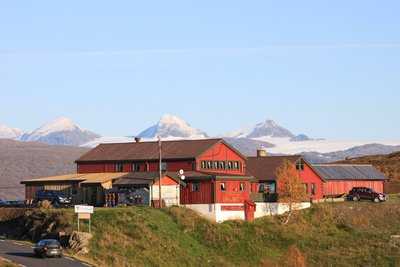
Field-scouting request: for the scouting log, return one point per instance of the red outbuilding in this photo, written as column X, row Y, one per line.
column 339, row 179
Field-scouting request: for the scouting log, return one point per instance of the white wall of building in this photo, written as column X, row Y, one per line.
column 169, row 194
column 215, row 213
column 205, row 210
column 267, row 209
column 226, row 215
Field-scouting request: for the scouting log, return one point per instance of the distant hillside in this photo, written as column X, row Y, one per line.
column 354, row 152
column 25, row 160
column 388, row 164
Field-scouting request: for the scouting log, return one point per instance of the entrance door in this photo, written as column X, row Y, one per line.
column 249, row 209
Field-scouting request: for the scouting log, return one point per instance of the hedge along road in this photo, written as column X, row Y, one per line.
column 23, row 254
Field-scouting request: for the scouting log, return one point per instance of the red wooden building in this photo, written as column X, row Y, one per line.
column 339, row 179
column 215, row 172
column 219, row 183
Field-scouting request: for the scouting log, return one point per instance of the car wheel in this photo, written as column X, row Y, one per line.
column 355, row 198
column 376, row 200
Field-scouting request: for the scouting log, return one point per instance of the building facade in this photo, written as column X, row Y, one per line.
column 208, row 176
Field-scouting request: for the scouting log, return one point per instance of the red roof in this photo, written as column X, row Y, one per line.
column 182, row 149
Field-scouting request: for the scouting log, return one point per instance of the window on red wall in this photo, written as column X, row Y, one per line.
column 313, row 189
column 223, row 187
column 203, row 164
column 215, row 165
column 222, row 165
column 242, row 187
column 119, row 167
column 195, row 186
column 135, row 167
column 300, row 165
column 209, row 164
column 236, row 165
column 305, row 188
column 230, row 165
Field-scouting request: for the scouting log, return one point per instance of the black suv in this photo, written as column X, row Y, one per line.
column 358, row 193
column 55, row 197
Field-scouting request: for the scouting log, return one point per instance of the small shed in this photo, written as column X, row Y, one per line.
column 341, row 178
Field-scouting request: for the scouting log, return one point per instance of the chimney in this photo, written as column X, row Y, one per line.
column 261, row 152
column 137, row 139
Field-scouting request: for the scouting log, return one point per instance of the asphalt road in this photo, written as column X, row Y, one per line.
column 23, row 254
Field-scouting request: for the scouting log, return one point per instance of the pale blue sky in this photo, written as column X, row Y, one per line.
column 326, row 68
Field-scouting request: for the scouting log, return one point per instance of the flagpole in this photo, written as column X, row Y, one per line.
column 160, row 173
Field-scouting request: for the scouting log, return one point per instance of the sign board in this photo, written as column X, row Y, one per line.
column 84, row 216
column 84, row 209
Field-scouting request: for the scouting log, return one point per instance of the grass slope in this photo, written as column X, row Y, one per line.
column 342, row 234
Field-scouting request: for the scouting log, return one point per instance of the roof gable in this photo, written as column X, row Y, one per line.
column 229, row 146
column 182, row 149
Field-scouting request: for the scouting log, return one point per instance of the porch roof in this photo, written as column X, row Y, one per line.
column 88, row 178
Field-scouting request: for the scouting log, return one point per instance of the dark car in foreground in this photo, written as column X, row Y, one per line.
column 48, row 248
column 55, row 197
column 360, row 193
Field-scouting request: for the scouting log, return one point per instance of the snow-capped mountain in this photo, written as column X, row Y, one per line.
column 283, row 141
column 172, row 127
column 9, row 133
column 268, row 134
column 271, row 129
column 267, row 130
column 62, row 131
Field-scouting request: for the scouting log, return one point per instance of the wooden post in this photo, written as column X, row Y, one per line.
column 160, row 173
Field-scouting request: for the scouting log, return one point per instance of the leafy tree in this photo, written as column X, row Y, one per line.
column 290, row 187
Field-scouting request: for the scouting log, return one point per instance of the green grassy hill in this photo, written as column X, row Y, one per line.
column 340, row 234
column 344, row 234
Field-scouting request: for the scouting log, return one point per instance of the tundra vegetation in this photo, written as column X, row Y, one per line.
column 329, row 234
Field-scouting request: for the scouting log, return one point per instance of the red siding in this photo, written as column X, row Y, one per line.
column 186, row 165
column 91, row 167
column 308, row 176
column 232, row 193
column 180, row 165
column 332, row 188
column 254, row 187
column 204, row 196
column 221, row 152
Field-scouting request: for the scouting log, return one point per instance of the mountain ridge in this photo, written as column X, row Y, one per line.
column 61, row 131
column 170, row 126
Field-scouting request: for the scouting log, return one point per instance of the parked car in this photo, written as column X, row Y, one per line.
column 55, row 197
column 359, row 193
column 4, row 203
column 16, row 203
column 48, row 248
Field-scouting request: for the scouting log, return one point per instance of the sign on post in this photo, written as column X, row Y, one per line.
column 84, row 209
column 84, row 213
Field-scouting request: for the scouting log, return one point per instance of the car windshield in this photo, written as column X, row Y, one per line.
column 49, row 243
column 53, row 242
